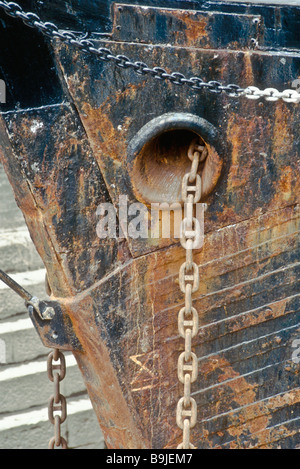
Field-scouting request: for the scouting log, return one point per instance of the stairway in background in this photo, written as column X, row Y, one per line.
column 24, row 386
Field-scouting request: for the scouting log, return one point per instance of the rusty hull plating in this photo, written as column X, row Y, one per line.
column 120, row 298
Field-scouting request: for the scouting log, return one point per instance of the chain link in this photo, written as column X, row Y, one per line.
column 188, row 321
column 57, row 402
column 196, row 83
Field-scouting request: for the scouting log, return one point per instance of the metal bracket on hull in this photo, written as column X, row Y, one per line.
column 53, row 326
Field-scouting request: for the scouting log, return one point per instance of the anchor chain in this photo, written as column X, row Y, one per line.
column 57, row 402
column 196, row 83
column 188, row 321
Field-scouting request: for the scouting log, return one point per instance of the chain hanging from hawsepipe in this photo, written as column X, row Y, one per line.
column 188, row 321
column 196, row 83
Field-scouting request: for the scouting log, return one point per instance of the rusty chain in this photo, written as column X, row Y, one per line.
column 57, row 402
column 196, row 83
column 188, row 322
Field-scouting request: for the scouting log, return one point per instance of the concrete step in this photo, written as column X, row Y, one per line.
column 17, row 251
column 10, row 215
column 19, row 341
column 11, row 304
column 32, row 430
column 27, row 385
